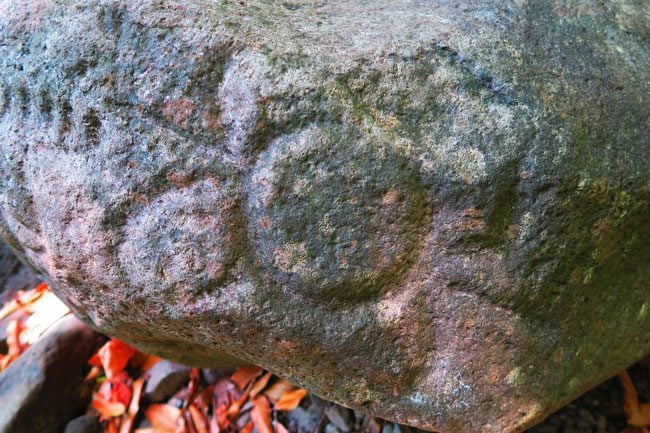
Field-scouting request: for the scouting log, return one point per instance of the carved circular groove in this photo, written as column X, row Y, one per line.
column 335, row 216
column 183, row 239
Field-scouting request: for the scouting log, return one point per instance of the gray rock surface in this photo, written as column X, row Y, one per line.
column 339, row 417
column 44, row 388
column 164, row 379
column 431, row 211
column 14, row 275
column 84, row 424
column 8, row 263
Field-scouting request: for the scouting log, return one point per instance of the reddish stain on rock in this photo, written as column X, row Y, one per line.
column 210, row 118
column 28, row 14
column 180, row 179
column 178, row 111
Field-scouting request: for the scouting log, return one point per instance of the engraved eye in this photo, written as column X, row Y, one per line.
column 334, row 215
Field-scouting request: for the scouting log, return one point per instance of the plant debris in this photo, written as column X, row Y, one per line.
column 638, row 415
column 29, row 314
column 248, row 399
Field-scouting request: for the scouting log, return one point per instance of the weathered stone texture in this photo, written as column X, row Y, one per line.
column 437, row 212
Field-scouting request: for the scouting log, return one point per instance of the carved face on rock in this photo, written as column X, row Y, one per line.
column 427, row 211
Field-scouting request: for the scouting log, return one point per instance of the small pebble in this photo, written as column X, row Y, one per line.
column 587, row 416
column 583, row 425
column 331, row 428
column 84, row 424
column 304, row 421
column 164, row 379
column 569, row 429
column 374, row 426
column 339, row 416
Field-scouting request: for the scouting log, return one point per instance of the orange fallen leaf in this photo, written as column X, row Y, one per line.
column 149, row 362
column 261, row 415
column 195, row 382
column 235, row 407
column 164, row 418
column 138, row 386
column 111, row 426
column 15, row 347
column 143, row 361
column 113, row 356
column 243, row 375
column 203, row 399
column 134, row 406
column 187, row 422
column 14, row 331
column 94, row 373
column 43, row 313
column 260, row 384
column 8, row 309
column 290, row 400
column 23, row 299
column 275, row 391
column 107, row 409
column 198, row 419
column 224, row 392
column 221, row 411
column 248, row 428
column 638, row 415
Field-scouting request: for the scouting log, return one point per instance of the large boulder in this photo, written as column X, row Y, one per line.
column 46, row 387
column 435, row 212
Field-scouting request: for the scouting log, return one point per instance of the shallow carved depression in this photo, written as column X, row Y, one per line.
column 335, row 215
column 184, row 235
